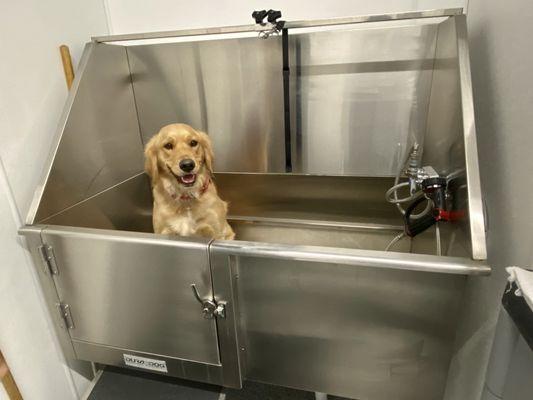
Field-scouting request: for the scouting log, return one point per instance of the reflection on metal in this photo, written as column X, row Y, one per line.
column 288, row 24
column 98, row 141
column 358, row 106
column 243, row 112
column 357, row 332
column 475, row 204
column 358, row 258
column 120, row 306
column 306, row 296
column 185, row 369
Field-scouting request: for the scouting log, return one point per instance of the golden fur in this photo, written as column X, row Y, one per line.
column 183, row 208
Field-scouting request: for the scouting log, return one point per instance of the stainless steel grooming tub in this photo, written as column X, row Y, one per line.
column 307, row 296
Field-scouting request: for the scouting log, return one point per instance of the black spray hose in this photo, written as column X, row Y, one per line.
column 415, row 226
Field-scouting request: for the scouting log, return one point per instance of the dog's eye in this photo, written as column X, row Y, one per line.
column 193, row 143
column 168, row 146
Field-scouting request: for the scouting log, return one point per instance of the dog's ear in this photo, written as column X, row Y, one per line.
column 150, row 159
column 205, row 141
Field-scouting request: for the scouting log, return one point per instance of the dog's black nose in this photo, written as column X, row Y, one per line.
column 187, row 165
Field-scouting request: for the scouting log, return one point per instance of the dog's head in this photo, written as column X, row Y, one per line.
column 179, row 152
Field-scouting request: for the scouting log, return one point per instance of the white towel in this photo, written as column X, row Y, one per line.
column 524, row 280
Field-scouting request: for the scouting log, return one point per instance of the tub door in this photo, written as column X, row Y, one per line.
column 335, row 323
column 127, row 300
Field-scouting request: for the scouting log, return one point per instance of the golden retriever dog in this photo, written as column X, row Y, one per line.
column 179, row 161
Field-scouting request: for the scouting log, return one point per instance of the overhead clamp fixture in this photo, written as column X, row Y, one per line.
column 272, row 25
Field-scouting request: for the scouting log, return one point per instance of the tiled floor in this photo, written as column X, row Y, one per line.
column 122, row 384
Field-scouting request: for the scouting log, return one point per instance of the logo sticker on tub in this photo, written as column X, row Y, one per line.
column 145, row 363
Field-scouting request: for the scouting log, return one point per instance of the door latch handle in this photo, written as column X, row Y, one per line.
column 196, row 294
column 210, row 308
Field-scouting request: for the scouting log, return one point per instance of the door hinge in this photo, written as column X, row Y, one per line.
column 64, row 313
column 49, row 261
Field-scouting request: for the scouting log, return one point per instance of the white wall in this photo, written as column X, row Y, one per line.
column 128, row 16
column 500, row 42
column 32, row 82
column 32, row 94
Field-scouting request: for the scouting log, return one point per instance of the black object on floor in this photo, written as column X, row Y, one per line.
column 259, row 391
column 519, row 311
column 124, row 384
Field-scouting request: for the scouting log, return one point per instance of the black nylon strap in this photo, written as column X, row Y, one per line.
column 286, row 99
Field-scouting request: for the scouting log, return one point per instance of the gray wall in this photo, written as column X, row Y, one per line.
column 502, row 62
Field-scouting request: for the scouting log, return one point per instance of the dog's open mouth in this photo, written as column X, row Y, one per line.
column 187, row 180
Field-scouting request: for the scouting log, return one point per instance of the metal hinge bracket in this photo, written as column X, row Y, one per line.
column 64, row 313
column 47, row 255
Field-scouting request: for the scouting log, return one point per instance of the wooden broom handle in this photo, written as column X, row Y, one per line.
column 67, row 64
column 7, row 380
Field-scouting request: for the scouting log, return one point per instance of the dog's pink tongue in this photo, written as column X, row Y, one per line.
column 189, row 178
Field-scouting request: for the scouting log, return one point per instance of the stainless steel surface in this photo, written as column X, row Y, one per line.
column 356, row 257
column 475, row 205
column 180, row 368
column 310, row 297
column 411, row 66
column 443, row 146
column 336, row 212
column 360, row 97
column 127, row 206
column 223, row 277
column 98, row 143
column 342, row 201
column 334, row 235
column 289, row 24
column 359, row 332
column 327, row 198
column 229, row 88
column 132, row 291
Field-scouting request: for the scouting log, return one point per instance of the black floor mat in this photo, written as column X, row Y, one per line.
column 259, row 391
column 126, row 384
column 123, row 384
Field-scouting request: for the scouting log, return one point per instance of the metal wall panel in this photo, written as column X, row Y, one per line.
column 100, row 144
column 359, row 332
column 443, row 140
column 330, row 198
column 232, row 89
column 341, row 211
column 360, row 97
column 128, row 206
column 125, row 207
column 133, row 292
